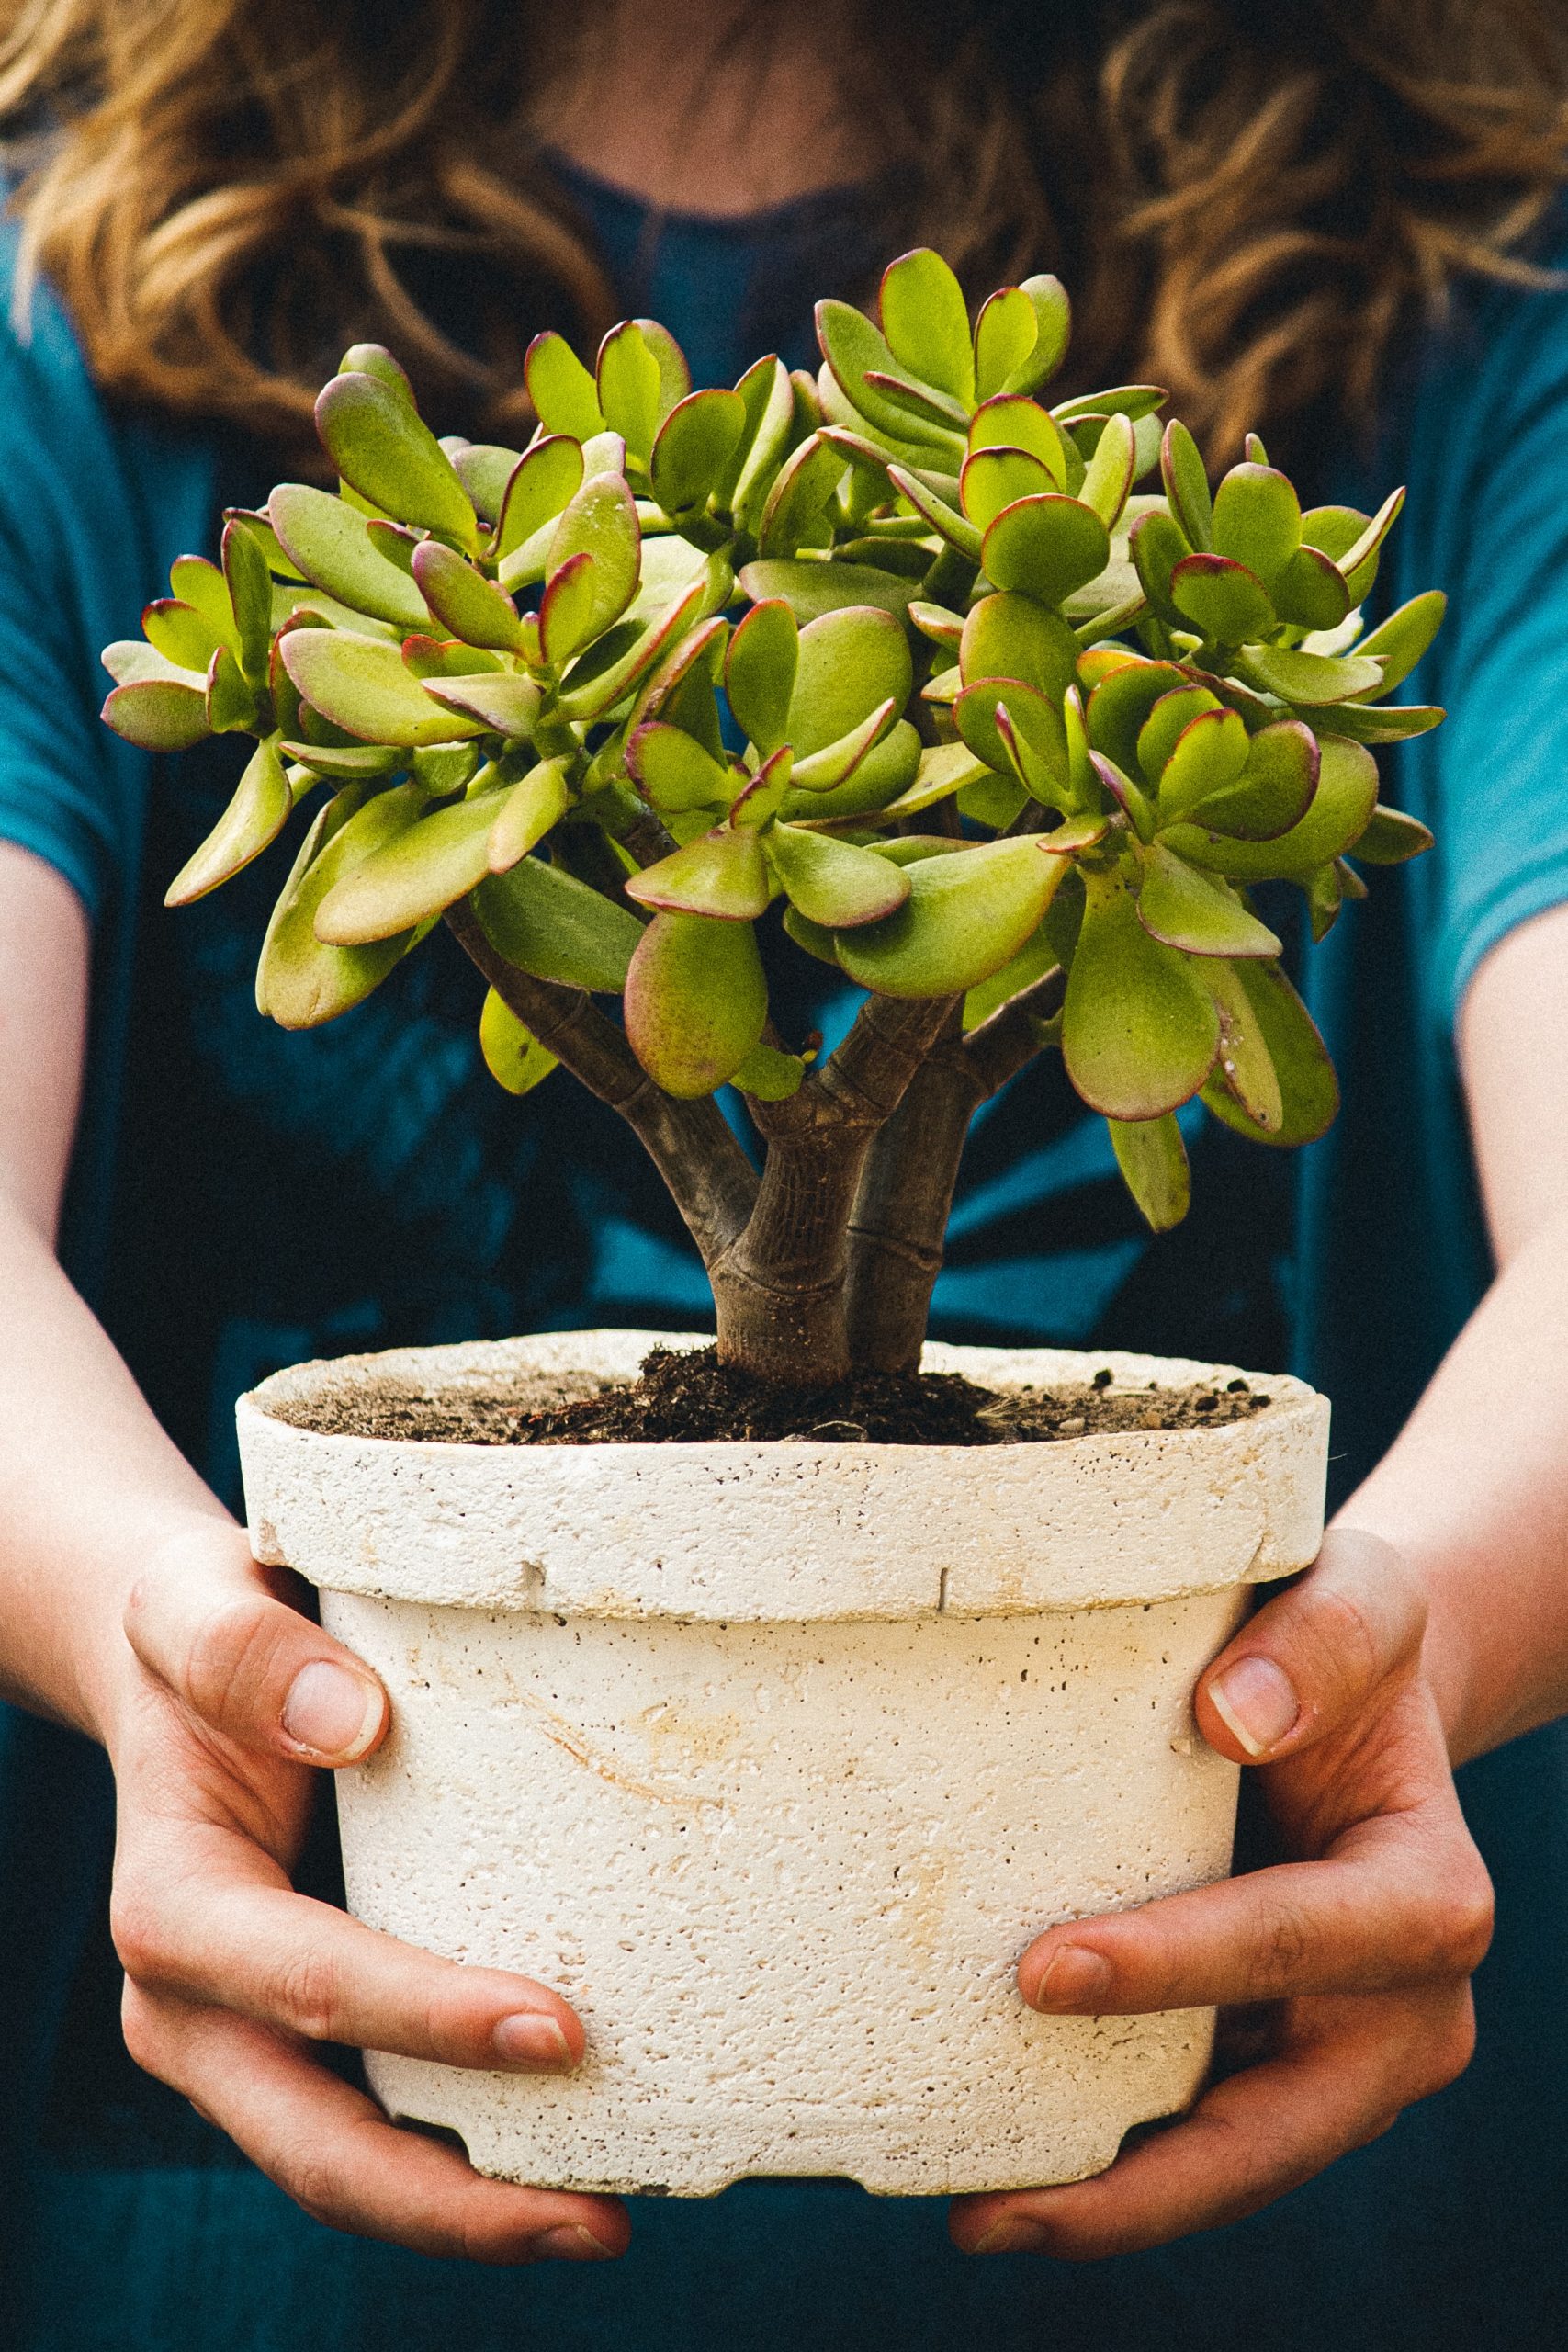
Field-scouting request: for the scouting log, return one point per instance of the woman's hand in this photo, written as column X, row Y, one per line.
column 1362, row 1949
column 234, row 1701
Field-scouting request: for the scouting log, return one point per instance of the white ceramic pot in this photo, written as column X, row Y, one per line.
column 774, row 1758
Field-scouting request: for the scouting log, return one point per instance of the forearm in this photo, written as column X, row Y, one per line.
column 1475, row 1494
column 90, row 1490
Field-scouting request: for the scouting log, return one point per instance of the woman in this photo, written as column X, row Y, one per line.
column 1257, row 207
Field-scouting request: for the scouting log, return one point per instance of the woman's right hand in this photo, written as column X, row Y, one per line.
column 230, row 1704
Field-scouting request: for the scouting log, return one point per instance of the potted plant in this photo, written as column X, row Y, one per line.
column 768, row 1702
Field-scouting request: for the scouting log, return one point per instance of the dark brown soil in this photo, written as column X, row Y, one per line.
column 692, row 1397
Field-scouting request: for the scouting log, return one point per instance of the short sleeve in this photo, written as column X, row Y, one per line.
column 1487, row 521
column 91, row 512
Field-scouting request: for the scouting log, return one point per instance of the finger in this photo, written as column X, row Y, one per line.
column 336, row 2154
column 205, row 1623
column 1405, row 1900
column 226, row 1931
column 1313, row 1657
column 1248, row 2141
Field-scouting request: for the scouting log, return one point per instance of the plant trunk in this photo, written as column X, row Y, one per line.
column 899, row 1219
column 780, row 1291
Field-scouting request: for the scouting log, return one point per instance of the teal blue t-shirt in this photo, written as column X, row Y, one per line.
column 242, row 1198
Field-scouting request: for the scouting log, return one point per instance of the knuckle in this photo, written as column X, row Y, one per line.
column 308, row 2177
column 230, row 1655
column 140, row 2029
column 1279, row 1951
column 139, row 1938
column 1462, row 1930
column 1447, row 2051
column 308, row 1995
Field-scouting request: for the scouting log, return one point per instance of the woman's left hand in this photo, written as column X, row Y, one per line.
column 1362, row 1947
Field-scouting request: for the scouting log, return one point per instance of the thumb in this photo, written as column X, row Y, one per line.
column 206, row 1620
column 1312, row 1658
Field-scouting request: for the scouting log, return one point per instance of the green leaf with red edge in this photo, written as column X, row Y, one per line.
column 570, row 609
column 464, row 601
column 1311, row 592
column 181, row 634
column 1005, row 335
column 591, row 688
column 812, row 589
column 694, row 448
column 1187, row 486
column 1152, row 1160
column 1197, row 913
column 853, row 349
column 695, row 1002
column 1108, row 479
column 994, row 478
column 1166, row 724
column 1273, row 791
column 1157, row 546
column 1208, row 757
column 196, row 582
column 232, row 704
column 544, row 480
column 502, row 702
column 848, row 664
column 968, row 912
column 1300, row 677
column 331, row 544
column 484, row 469
column 562, row 389
column 1244, row 1070
column 1309, row 1092
column 1031, row 744
column 383, row 447
column 259, row 810
column 601, row 521
column 1009, row 636
column 1391, row 838
column 759, row 673
column 1052, row 323
column 300, row 980
column 1222, row 598
column 363, row 685
column 1123, row 702
column 925, row 322
column 1139, row 1031
column 429, row 658
column 833, row 883
column 1012, row 422
column 770, row 1076
column 544, row 920
column 630, row 384
column 836, row 762
column 1389, row 722
column 512, row 1054
column 1257, row 521
column 722, row 873
column 796, row 506
column 955, row 527
column 1339, row 812
column 1046, row 547
column 674, row 772
column 426, row 868
column 158, row 714
column 880, row 775
column 1400, row 641
column 249, row 582
column 535, row 803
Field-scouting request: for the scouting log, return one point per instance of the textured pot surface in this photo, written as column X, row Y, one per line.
column 774, row 1758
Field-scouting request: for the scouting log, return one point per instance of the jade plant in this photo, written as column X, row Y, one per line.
column 896, row 659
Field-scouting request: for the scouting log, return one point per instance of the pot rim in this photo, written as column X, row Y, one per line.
column 784, row 1529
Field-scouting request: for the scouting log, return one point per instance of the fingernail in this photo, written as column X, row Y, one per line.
column 572, row 2245
column 1072, row 1978
column 332, row 1712
column 530, row 2040
column 1255, row 1701
column 1014, row 2235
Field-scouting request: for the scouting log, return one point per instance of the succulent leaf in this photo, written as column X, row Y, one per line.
column 261, row 807
column 968, row 912
column 1139, row 1031
column 1152, row 1160
column 1046, row 547
column 696, row 1002
column 362, row 684
column 833, row 883
column 381, row 446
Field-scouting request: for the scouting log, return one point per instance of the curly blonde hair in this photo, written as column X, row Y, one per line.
column 1247, row 202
